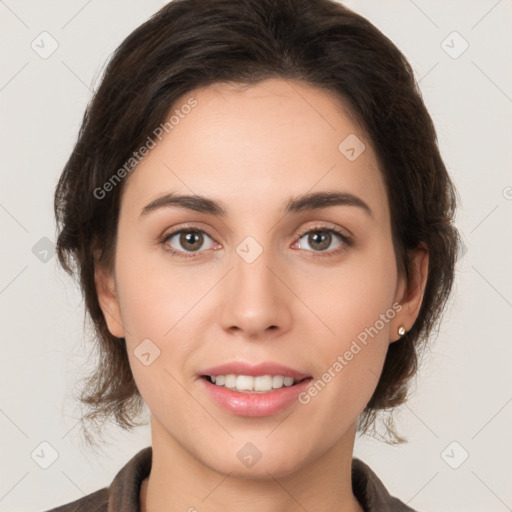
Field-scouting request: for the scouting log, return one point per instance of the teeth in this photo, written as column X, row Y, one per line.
column 261, row 384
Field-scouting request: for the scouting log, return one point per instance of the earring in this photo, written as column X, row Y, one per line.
column 401, row 330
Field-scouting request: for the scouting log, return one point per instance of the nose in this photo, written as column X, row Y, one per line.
column 256, row 302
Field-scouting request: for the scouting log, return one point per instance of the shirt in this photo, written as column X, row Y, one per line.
column 123, row 494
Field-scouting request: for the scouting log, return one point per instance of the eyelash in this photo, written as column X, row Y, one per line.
column 347, row 242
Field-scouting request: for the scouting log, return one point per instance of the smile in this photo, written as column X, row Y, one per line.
column 248, row 383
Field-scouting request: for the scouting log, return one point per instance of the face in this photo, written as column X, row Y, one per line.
column 311, row 286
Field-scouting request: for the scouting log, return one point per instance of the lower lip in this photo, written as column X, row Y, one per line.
column 254, row 404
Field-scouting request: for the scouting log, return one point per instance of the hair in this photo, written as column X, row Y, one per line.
column 190, row 44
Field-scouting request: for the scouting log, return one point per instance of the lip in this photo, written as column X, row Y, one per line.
column 254, row 404
column 253, row 370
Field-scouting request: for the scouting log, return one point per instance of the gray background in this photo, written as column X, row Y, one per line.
column 463, row 392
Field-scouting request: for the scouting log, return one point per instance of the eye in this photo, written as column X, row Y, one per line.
column 321, row 238
column 188, row 241
column 185, row 240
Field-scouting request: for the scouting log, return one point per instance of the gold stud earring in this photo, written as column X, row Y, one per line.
column 401, row 330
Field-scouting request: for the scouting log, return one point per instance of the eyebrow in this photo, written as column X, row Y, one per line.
column 308, row 201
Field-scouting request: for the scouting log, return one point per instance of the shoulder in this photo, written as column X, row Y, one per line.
column 371, row 492
column 95, row 502
column 122, row 494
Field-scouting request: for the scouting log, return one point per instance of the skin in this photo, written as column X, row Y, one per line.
column 252, row 150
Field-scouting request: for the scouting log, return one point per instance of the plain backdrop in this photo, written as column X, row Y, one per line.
column 458, row 420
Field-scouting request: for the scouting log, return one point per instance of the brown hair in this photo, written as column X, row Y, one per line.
column 195, row 43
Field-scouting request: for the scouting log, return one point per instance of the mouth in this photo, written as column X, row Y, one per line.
column 254, row 395
column 254, row 390
column 249, row 384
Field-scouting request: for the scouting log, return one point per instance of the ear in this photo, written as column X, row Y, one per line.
column 410, row 293
column 108, row 300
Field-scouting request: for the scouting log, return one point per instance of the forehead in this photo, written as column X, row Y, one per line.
column 253, row 146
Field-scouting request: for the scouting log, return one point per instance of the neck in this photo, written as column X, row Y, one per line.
column 178, row 481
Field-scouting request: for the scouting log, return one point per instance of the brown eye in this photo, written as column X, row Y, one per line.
column 185, row 240
column 320, row 240
column 191, row 240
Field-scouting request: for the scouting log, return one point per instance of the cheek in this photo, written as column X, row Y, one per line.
column 356, row 304
column 150, row 307
column 353, row 297
column 153, row 296
column 158, row 334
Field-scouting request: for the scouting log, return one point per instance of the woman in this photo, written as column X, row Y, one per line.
column 262, row 226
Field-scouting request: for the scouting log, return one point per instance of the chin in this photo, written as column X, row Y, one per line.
column 249, row 462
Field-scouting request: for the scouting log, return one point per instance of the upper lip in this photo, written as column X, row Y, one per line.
column 254, row 370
